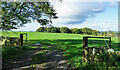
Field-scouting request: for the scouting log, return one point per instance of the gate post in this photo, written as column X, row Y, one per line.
column 85, row 43
column 110, row 42
column 21, row 39
column 26, row 38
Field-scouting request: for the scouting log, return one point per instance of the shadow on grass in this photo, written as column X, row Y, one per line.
column 17, row 56
column 72, row 47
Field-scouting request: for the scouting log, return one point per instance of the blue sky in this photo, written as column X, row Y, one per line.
column 101, row 16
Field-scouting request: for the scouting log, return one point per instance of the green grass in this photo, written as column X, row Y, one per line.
column 69, row 44
column 14, row 51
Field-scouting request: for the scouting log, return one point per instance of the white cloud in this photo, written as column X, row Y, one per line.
column 77, row 12
column 78, row 9
column 97, row 10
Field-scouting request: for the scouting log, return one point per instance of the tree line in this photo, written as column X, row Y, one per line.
column 85, row 30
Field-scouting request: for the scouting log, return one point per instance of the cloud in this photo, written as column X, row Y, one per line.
column 97, row 10
column 78, row 12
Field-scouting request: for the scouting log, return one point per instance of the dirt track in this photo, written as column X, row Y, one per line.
column 54, row 60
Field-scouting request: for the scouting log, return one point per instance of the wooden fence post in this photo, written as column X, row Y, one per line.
column 21, row 39
column 26, row 38
column 85, row 43
column 110, row 42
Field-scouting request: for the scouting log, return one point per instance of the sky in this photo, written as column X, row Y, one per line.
column 101, row 16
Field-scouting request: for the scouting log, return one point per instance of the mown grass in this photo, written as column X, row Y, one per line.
column 69, row 44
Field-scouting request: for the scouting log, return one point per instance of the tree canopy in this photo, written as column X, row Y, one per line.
column 64, row 30
column 16, row 14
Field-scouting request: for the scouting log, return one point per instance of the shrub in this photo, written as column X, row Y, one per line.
column 10, row 41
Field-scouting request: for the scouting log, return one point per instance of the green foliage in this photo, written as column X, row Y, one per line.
column 64, row 30
column 95, row 32
column 48, row 29
column 87, row 31
column 76, row 31
column 16, row 14
column 55, row 30
column 110, row 34
column 40, row 29
column 10, row 41
column 104, row 33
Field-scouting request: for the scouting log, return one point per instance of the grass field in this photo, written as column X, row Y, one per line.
column 59, row 38
column 69, row 44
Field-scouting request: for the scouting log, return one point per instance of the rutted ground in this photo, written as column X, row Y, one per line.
column 39, row 58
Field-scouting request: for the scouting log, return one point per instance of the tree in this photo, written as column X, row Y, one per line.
column 48, row 29
column 58, row 29
column 112, row 34
column 87, row 31
column 104, row 33
column 16, row 14
column 95, row 32
column 72, row 31
column 55, row 30
column 109, row 33
column 76, row 31
column 64, row 30
column 40, row 29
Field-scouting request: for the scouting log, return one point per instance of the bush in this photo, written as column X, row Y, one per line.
column 10, row 41
column 107, row 60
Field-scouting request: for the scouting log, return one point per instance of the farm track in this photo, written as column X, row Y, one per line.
column 54, row 61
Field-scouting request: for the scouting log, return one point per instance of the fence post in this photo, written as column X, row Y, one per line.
column 110, row 42
column 26, row 38
column 21, row 39
column 85, row 43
